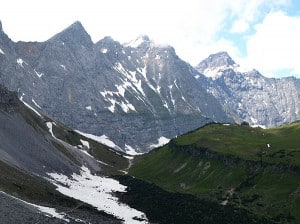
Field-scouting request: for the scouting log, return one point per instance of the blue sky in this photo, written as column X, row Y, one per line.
column 260, row 34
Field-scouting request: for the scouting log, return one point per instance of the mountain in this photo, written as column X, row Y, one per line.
column 50, row 173
column 136, row 95
column 233, row 165
column 248, row 95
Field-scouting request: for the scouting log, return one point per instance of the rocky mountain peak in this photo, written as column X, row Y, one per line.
column 140, row 40
column 217, row 60
column 215, row 64
column 74, row 34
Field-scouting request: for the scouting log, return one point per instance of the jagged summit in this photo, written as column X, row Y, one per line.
column 74, row 33
column 215, row 64
column 106, row 40
column 142, row 39
column 220, row 59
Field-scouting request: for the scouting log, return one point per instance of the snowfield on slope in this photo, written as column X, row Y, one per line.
column 98, row 192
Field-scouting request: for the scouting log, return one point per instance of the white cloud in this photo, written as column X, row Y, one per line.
column 246, row 13
column 275, row 44
column 239, row 26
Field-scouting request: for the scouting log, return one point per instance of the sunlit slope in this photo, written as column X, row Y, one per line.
column 247, row 167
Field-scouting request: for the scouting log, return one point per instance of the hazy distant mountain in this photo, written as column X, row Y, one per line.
column 248, row 95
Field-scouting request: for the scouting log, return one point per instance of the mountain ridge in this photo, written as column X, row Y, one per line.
column 106, row 88
column 250, row 96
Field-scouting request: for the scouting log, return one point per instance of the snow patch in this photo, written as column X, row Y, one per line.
column 38, row 74
column 126, row 107
column 88, row 108
column 104, row 50
column 253, row 120
column 64, row 67
column 143, row 71
column 1, row 52
column 38, row 106
column 103, row 139
column 161, row 141
column 27, row 105
column 121, row 90
column 21, row 62
column 49, row 125
column 98, row 192
column 85, row 143
column 131, row 151
column 258, row 126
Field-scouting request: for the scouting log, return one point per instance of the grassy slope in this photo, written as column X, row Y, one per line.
column 270, row 189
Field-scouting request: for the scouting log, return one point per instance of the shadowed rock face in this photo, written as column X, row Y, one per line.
column 132, row 93
column 25, row 141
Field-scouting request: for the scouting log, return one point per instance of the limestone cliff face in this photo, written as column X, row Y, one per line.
column 248, row 95
column 132, row 93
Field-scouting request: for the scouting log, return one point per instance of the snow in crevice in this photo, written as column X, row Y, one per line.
column 50, row 212
column 88, row 107
column 98, row 192
column 35, row 103
column 30, row 107
column 21, row 62
column 38, row 74
column 171, row 94
column 1, row 52
column 130, row 75
column 85, row 143
column 109, row 96
column 104, row 50
column 143, row 71
column 50, row 128
column 64, row 67
column 103, row 139
column 131, row 151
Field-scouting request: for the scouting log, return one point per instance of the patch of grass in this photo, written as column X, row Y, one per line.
column 249, row 143
column 181, row 172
